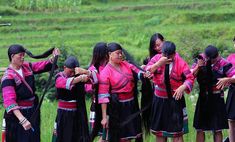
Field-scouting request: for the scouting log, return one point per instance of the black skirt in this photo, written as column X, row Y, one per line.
column 230, row 103
column 132, row 129
column 69, row 127
column 16, row 133
column 210, row 113
column 169, row 117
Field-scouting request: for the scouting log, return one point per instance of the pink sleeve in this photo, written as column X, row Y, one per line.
column 231, row 58
column 189, row 78
column 152, row 61
column 134, row 68
column 89, row 88
column 65, row 83
column 41, row 66
column 103, row 94
column 9, row 94
column 231, row 71
column 93, row 80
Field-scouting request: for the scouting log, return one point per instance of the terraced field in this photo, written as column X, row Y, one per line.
column 192, row 25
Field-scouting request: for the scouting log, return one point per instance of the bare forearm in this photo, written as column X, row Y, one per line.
column 232, row 80
column 154, row 67
column 18, row 114
column 80, row 78
column 195, row 71
column 76, row 80
column 104, row 110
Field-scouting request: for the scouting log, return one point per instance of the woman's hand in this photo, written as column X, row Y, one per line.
column 104, row 122
column 200, row 63
column 162, row 61
column 83, row 78
column 25, row 123
column 56, row 52
column 179, row 92
column 147, row 74
column 79, row 70
column 223, row 82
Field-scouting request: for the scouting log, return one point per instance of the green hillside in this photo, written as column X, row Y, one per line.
column 77, row 25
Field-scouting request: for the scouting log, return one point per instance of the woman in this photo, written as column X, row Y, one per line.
column 19, row 98
column 171, row 77
column 213, row 73
column 71, row 120
column 117, row 97
column 98, row 62
column 230, row 105
column 155, row 46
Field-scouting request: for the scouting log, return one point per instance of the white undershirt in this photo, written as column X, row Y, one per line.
column 20, row 72
column 170, row 67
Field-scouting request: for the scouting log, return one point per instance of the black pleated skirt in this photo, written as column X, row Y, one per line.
column 169, row 117
column 210, row 113
column 230, row 103
column 132, row 129
column 15, row 131
column 69, row 126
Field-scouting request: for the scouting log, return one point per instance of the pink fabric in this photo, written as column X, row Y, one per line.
column 27, row 70
column 9, row 98
column 121, row 82
column 89, row 87
column 220, row 64
column 37, row 66
column 63, row 82
column 179, row 68
column 8, row 92
column 13, row 80
column 231, row 58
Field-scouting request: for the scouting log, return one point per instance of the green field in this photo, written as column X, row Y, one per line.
column 77, row 26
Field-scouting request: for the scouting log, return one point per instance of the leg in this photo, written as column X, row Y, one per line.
column 100, row 139
column 178, row 139
column 200, row 136
column 231, row 124
column 218, row 136
column 161, row 139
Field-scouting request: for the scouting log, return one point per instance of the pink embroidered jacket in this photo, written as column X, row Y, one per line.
column 121, row 82
column 231, row 58
column 89, row 87
column 15, row 92
column 180, row 74
column 222, row 68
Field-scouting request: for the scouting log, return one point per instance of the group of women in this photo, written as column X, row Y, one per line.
column 111, row 78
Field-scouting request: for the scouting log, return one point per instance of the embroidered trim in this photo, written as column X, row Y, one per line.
column 9, row 108
column 103, row 96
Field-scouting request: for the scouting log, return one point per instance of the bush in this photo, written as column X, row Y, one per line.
column 4, row 11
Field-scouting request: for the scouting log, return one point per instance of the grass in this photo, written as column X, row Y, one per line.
column 192, row 25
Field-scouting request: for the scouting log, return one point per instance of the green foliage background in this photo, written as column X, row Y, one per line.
column 75, row 26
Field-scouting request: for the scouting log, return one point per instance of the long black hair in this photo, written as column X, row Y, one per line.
column 100, row 55
column 16, row 48
column 211, row 52
column 153, row 39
